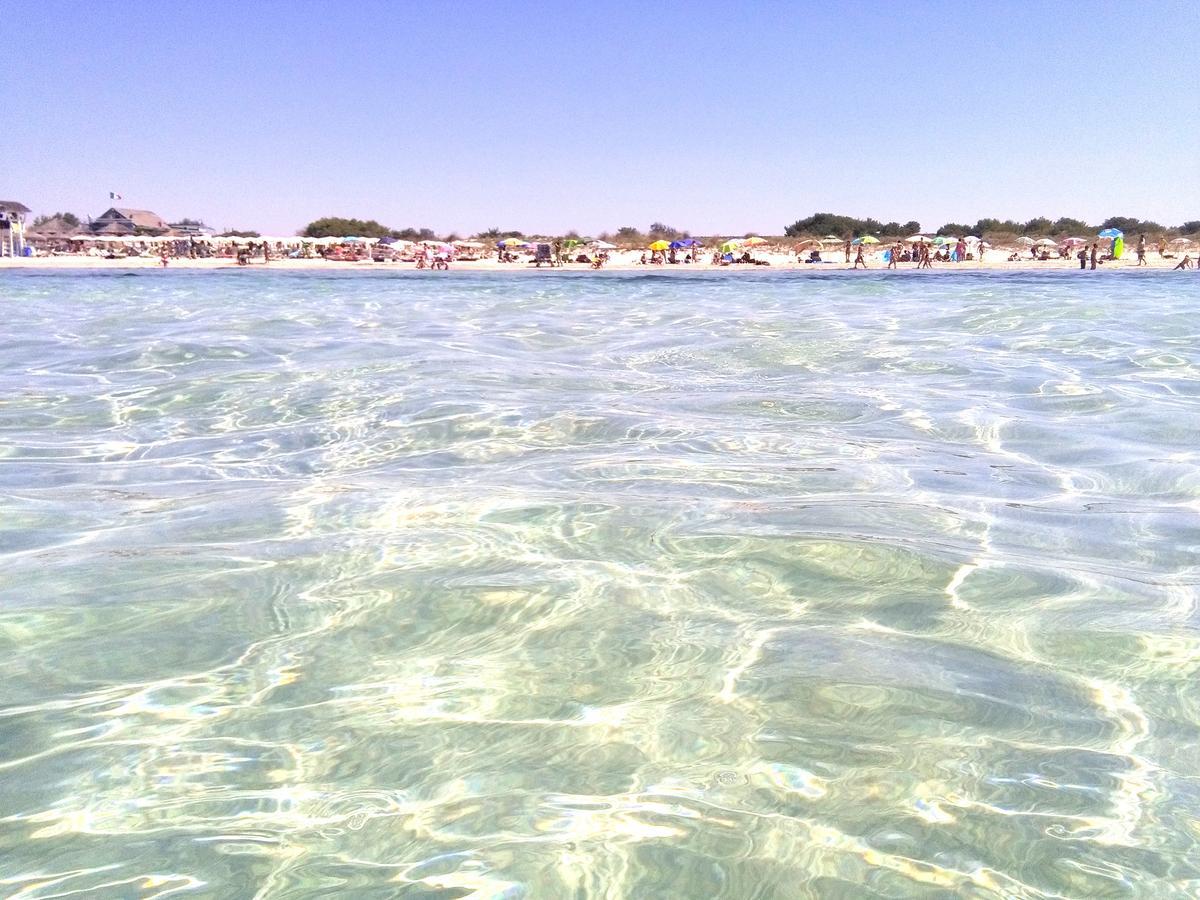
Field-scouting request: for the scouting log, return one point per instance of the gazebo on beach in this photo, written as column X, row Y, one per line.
column 12, row 227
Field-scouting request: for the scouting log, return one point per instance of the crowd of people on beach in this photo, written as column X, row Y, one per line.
column 919, row 251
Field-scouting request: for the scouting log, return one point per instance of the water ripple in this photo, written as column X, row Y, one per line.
column 605, row 586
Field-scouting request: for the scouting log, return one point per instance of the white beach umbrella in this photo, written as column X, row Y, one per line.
column 1181, row 242
column 1025, row 241
column 1045, row 242
column 603, row 245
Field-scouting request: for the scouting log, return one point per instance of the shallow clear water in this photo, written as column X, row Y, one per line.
column 599, row 586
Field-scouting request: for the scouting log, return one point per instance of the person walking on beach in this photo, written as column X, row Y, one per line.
column 893, row 256
column 1141, row 251
column 1095, row 253
column 858, row 257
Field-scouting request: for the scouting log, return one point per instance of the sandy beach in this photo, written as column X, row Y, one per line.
column 995, row 260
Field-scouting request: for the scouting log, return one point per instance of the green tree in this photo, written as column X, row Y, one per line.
column 336, row 226
column 1037, row 225
column 233, row 232
column 664, row 232
column 911, row 227
column 953, row 229
column 1122, row 223
column 1070, row 226
column 68, row 218
column 1192, row 227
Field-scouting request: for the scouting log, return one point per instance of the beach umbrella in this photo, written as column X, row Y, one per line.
column 1111, row 233
column 511, row 242
column 1025, row 241
column 914, row 239
column 832, row 237
column 660, row 245
column 1074, row 241
column 866, row 239
column 755, row 241
column 603, row 245
column 1181, row 242
column 1045, row 242
column 730, row 245
column 473, row 244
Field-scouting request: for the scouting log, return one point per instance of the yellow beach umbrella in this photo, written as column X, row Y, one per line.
column 868, row 239
column 755, row 241
column 660, row 245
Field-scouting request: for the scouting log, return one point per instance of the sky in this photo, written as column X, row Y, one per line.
column 718, row 118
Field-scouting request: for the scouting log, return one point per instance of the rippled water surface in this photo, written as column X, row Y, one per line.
column 599, row 586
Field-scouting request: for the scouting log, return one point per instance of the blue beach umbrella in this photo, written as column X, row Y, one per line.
column 1111, row 233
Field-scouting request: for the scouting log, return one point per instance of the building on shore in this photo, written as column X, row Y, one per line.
column 125, row 222
column 190, row 228
column 12, row 227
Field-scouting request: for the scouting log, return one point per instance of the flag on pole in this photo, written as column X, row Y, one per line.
column 112, row 196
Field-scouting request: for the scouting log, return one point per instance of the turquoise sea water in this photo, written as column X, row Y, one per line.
column 592, row 586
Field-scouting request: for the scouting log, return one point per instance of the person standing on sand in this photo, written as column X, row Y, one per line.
column 1095, row 252
column 1141, row 251
column 858, row 257
column 847, row 249
column 893, row 256
column 266, row 252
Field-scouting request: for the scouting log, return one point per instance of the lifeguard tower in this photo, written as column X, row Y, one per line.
column 12, row 227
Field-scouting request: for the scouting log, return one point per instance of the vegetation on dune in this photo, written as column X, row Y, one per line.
column 819, row 225
column 824, row 224
column 67, row 217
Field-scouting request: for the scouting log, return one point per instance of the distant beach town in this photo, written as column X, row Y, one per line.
column 140, row 238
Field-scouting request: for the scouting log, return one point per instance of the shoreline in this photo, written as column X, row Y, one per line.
column 778, row 263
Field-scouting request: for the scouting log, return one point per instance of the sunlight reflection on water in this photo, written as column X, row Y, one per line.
column 603, row 586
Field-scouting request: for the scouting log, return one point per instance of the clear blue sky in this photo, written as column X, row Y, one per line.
column 719, row 117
